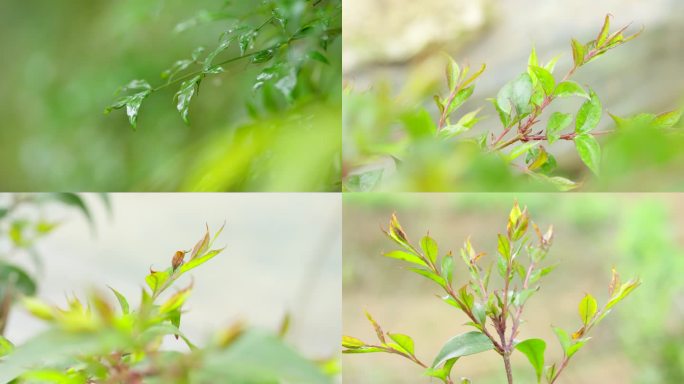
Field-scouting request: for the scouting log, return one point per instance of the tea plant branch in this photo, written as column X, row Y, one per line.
column 520, row 103
column 314, row 27
column 482, row 306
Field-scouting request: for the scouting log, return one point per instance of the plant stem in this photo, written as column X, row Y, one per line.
column 442, row 119
column 509, row 370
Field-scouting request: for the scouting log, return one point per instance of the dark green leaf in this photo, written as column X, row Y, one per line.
column 462, row 345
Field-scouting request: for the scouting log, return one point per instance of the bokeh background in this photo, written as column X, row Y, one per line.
column 282, row 255
column 393, row 47
column 641, row 341
column 62, row 63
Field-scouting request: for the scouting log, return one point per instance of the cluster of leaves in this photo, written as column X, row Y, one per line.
column 95, row 342
column 495, row 312
column 520, row 104
column 286, row 39
column 23, row 224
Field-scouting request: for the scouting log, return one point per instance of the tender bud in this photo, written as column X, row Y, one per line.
column 395, row 231
column 177, row 260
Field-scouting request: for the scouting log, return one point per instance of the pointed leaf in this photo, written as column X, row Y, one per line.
column 534, row 350
column 589, row 151
column 462, row 345
column 557, row 122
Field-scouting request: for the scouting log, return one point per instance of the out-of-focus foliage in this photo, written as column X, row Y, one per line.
column 276, row 64
column 23, row 223
column 393, row 143
column 492, row 305
column 95, row 341
column 654, row 338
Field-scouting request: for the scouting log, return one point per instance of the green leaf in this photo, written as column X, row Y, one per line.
column 406, row 256
column 447, row 268
column 463, row 345
column 624, row 290
column 6, row 347
column 452, row 130
column 175, row 301
column 263, row 56
column 378, row 330
column 156, row 279
column 534, row 350
column 504, row 247
column 557, row 122
column 515, row 95
column 122, row 300
column 563, row 339
column 667, row 119
column 199, row 260
column 545, row 78
column 59, row 348
column 404, row 341
column 177, row 67
column 430, row 275
column 318, row 56
column 576, row 347
column 132, row 102
column 603, row 35
column 429, row 247
column 186, row 92
column 533, row 60
column 444, row 372
column 521, row 150
column 469, row 119
column 18, row 278
column 578, row 52
column 364, row 350
column 452, row 73
column 587, row 308
column 352, row 342
column 570, row 88
column 589, row 151
column 364, row 182
column 419, row 123
column 561, row 183
column 459, row 99
column 258, row 357
column 589, row 114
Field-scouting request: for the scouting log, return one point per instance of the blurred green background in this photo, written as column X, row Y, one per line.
column 392, row 66
column 63, row 61
column 639, row 234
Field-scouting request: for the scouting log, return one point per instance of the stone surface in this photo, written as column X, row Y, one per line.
column 397, row 30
